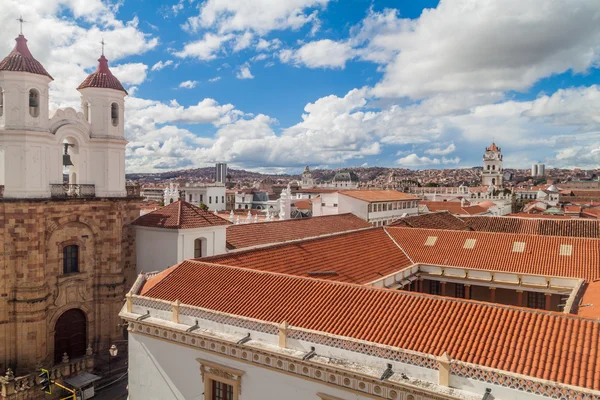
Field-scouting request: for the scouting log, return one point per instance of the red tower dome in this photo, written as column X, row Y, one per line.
column 21, row 60
column 102, row 78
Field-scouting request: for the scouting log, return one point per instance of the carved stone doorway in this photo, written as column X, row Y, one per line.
column 70, row 335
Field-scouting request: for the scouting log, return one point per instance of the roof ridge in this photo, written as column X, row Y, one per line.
column 536, row 235
column 179, row 213
column 401, row 293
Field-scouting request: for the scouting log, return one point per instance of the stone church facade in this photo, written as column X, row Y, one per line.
column 67, row 251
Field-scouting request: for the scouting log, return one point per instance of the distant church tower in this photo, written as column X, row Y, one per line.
column 307, row 179
column 492, row 166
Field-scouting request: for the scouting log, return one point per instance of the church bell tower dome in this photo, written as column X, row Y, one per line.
column 21, row 60
column 102, row 78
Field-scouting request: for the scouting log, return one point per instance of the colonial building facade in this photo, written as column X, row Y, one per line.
column 67, row 252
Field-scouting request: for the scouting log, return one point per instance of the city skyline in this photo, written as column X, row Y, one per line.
column 323, row 84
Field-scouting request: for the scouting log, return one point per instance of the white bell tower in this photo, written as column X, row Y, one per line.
column 103, row 103
column 492, row 166
column 24, row 145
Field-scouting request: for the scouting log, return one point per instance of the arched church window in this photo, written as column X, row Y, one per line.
column 114, row 114
column 86, row 111
column 1, row 101
column 488, row 167
column 70, row 259
column 197, row 248
column 494, row 167
column 34, row 103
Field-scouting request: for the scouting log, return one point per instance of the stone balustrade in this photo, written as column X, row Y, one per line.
column 27, row 387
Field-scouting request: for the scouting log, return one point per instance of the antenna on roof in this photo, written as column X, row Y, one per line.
column 22, row 21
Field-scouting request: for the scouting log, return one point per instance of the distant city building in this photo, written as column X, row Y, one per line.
column 541, row 170
column 221, row 172
column 492, row 166
column 538, row 170
column 153, row 193
column 378, row 207
column 342, row 179
column 211, row 195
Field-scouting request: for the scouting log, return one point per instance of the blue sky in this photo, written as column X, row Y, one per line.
column 273, row 85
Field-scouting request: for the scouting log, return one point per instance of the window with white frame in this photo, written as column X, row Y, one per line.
column 220, row 382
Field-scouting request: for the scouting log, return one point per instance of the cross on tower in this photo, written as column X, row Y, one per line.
column 22, row 21
column 102, row 42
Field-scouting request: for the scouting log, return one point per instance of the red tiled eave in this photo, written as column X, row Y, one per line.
column 180, row 215
column 557, row 348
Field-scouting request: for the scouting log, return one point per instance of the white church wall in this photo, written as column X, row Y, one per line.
column 156, row 248
column 214, row 241
column 164, row 370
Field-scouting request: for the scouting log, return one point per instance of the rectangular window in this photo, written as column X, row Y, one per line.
column 221, row 391
column 197, row 248
column 190, row 200
column 201, row 198
column 536, row 300
column 70, row 259
column 435, row 287
column 322, row 204
column 222, row 199
column 385, row 207
column 459, row 291
column 335, row 204
column 209, row 199
column 370, row 208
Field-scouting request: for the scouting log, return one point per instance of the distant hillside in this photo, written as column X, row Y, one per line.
column 208, row 174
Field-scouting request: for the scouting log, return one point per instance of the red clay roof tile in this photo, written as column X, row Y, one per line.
column 21, row 60
column 373, row 196
column 248, row 235
column 494, row 252
column 180, row 215
column 358, row 257
column 102, row 78
column 543, row 345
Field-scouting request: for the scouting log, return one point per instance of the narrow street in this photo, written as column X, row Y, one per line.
column 117, row 391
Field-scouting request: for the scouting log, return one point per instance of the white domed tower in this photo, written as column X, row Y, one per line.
column 492, row 166
column 23, row 124
column 103, row 103
column 307, row 179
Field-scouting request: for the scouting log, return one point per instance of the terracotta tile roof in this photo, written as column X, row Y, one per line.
column 373, row 196
column 358, row 257
column 180, row 215
column 544, row 345
column 493, row 147
column 590, row 302
column 453, row 207
column 315, row 190
column 494, row 252
column 536, row 225
column 102, row 78
column 21, row 60
column 303, row 204
column 435, row 220
column 249, row 235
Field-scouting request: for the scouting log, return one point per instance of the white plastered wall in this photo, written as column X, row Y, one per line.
column 162, row 370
